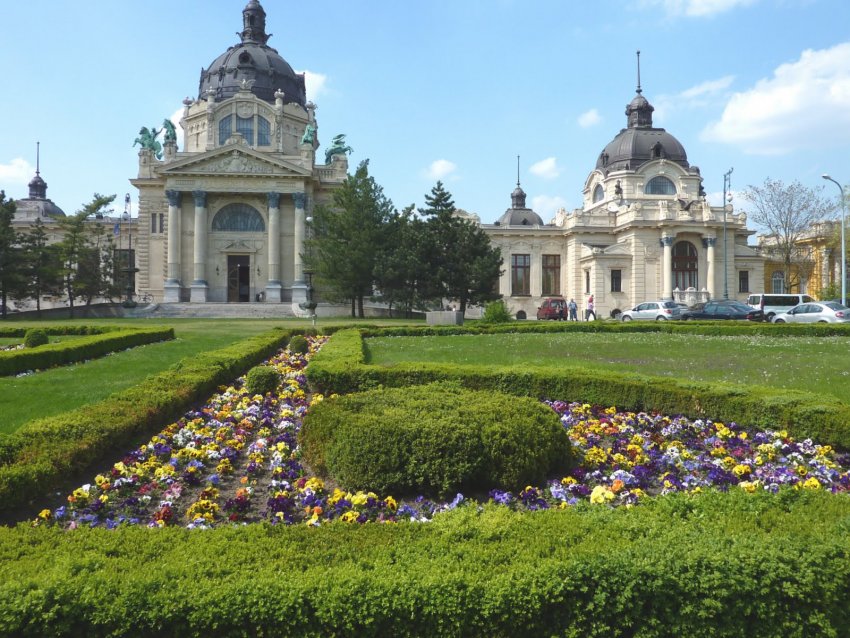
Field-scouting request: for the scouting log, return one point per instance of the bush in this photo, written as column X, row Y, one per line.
column 434, row 440
column 35, row 337
column 298, row 345
column 496, row 312
column 262, row 380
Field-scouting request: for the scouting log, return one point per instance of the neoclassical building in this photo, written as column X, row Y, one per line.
column 645, row 231
column 225, row 218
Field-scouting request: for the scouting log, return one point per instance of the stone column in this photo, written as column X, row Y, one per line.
column 172, row 281
column 708, row 243
column 667, row 267
column 273, row 286
column 299, row 286
column 199, row 283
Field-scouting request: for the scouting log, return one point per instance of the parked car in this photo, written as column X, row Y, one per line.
column 653, row 311
column 723, row 309
column 772, row 304
column 553, row 308
column 816, row 312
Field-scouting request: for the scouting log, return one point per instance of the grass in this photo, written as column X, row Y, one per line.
column 814, row 364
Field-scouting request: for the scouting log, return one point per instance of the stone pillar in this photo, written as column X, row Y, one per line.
column 299, row 285
column 172, row 281
column 667, row 267
column 273, row 286
column 711, row 284
column 199, row 283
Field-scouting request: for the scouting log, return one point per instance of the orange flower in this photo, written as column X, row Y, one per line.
column 617, row 485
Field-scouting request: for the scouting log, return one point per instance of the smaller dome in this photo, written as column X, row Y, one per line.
column 37, row 205
column 518, row 214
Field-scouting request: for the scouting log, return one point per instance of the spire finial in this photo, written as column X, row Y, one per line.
column 517, row 170
column 37, row 156
column 638, row 71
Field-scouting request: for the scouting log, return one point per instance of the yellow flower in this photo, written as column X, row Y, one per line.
column 45, row 514
column 601, row 494
column 349, row 517
column 568, row 480
column 391, row 503
column 741, row 470
column 811, row 483
column 748, row 486
column 801, row 470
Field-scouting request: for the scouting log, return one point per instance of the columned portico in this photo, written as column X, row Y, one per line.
column 667, row 267
column 708, row 243
column 172, row 282
column 199, row 282
column 273, row 287
column 299, row 285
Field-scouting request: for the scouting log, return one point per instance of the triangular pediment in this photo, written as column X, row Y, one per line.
column 618, row 249
column 235, row 160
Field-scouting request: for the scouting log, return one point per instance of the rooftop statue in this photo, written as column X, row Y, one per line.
column 147, row 139
column 170, row 131
column 338, row 147
column 309, row 136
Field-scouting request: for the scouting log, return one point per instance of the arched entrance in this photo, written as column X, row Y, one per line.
column 685, row 273
column 238, row 278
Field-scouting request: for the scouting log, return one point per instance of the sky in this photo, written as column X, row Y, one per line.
column 450, row 90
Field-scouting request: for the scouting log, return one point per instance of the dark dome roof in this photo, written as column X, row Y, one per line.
column 518, row 214
column 640, row 142
column 253, row 62
column 37, row 204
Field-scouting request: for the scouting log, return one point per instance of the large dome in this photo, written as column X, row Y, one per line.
column 640, row 142
column 253, row 64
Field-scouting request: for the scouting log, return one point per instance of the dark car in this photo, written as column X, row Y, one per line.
column 723, row 309
column 553, row 308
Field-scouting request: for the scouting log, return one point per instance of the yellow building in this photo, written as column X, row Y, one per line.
column 815, row 262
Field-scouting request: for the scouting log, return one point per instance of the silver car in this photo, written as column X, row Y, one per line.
column 815, row 312
column 653, row 311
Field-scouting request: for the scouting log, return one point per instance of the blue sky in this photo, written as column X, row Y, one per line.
column 445, row 89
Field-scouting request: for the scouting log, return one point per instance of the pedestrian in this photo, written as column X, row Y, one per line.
column 573, row 307
column 590, row 310
column 561, row 312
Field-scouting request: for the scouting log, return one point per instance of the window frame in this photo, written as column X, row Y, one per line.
column 520, row 275
column 551, row 275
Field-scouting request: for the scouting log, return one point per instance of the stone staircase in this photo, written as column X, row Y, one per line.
column 213, row 310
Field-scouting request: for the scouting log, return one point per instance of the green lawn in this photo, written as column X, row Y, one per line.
column 816, row 364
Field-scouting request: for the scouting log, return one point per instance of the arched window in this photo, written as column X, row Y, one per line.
column 777, row 282
column 225, row 128
column 264, row 130
column 685, row 273
column 240, row 218
column 659, row 185
column 245, row 126
column 598, row 193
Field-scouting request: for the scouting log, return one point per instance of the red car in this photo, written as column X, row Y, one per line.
column 553, row 308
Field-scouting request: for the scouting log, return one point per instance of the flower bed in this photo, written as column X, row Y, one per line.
column 236, row 461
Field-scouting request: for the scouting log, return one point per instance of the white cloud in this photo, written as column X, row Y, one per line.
column 315, row 83
column 697, row 8
column 806, row 104
column 18, row 171
column 707, row 88
column 440, row 169
column 547, row 168
column 547, row 205
column 589, row 118
column 705, row 93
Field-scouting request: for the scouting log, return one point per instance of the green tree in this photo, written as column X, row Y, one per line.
column 41, row 265
column 346, row 236
column 79, row 256
column 9, row 263
column 466, row 265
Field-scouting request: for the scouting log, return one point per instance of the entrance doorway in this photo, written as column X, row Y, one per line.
column 238, row 278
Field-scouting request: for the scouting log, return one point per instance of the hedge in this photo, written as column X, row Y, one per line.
column 720, row 565
column 339, row 368
column 79, row 349
column 35, row 459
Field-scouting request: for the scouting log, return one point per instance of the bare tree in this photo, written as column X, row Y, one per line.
column 789, row 212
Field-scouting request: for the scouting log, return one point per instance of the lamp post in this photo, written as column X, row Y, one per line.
column 843, row 244
column 309, row 305
column 727, row 183
column 129, row 269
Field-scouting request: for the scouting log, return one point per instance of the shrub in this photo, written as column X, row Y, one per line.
column 35, row 337
column 496, row 312
column 435, row 440
column 298, row 345
column 262, row 380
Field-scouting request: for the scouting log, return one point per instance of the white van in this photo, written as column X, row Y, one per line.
column 771, row 304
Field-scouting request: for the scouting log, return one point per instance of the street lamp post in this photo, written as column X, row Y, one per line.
column 727, row 184
column 310, row 304
column 843, row 243
column 129, row 269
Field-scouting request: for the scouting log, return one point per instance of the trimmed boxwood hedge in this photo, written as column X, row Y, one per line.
column 36, row 458
column 434, row 440
column 339, row 368
column 89, row 346
column 719, row 565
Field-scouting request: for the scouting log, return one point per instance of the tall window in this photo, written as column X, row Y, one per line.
column 777, row 283
column 616, row 281
column 587, row 282
column 264, row 129
column 684, row 265
column 225, row 128
column 157, row 222
column 659, row 185
column 743, row 281
column 598, row 193
column 520, row 275
column 551, row 275
column 245, row 127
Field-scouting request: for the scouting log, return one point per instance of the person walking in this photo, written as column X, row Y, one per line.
column 590, row 310
column 573, row 307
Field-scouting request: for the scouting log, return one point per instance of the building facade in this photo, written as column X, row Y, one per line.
column 645, row 231
column 225, row 218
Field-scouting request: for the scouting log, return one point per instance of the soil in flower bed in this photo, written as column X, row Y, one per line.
column 236, row 460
